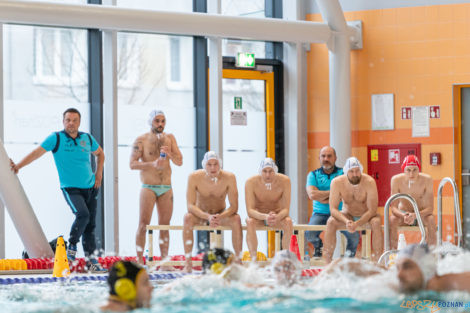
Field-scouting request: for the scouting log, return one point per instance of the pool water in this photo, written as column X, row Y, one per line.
column 338, row 292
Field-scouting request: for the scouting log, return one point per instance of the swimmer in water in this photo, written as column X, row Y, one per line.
column 358, row 192
column 286, row 268
column 267, row 197
column 206, row 193
column 416, row 271
column 129, row 288
column 151, row 155
column 420, row 187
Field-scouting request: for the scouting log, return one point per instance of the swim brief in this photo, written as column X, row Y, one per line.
column 158, row 189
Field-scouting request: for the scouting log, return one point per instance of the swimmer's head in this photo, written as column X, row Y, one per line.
column 129, row 283
column 268, row 169
column 416, row 265
column 211, row 163
column 353, row 170
column 411, row 166
column 286, row 267
column 157, row 121
column 216, row 260
column 327, row 158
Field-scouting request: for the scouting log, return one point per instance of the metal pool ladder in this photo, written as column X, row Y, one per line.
column 458, row 219
column 394, row 197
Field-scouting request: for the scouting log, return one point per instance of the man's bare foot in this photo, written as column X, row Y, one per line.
column 167, row 268
column 188, row 268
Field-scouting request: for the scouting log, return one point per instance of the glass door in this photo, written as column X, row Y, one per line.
column 248, row 131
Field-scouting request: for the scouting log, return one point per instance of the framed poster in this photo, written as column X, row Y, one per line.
column 382, row 111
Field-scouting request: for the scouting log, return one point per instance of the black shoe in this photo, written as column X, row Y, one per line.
column 318, row 252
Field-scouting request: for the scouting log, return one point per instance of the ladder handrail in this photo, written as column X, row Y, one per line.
column 387, row 217
column 456, row 210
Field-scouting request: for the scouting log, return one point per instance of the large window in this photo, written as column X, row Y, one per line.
column 246, row 8
column 44, row 74
column 164, row 81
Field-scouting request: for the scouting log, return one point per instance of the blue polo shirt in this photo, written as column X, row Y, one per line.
column 322, row 181
column 72, row 158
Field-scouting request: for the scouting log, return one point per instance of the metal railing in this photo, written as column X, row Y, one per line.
column 458, row 219
column 387, row 217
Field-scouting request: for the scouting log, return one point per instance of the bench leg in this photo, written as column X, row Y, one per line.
column 301, row 242
column 150, row 245
column 368, row 244
column 277, row 241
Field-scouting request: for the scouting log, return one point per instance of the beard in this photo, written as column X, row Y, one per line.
column 157, row 130
column 355, row 180
column 327, row 166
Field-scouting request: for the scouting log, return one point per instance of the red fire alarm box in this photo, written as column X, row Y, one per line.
column 435, row 158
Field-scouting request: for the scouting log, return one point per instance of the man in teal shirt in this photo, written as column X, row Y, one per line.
column 318, row 190
column 71, row 150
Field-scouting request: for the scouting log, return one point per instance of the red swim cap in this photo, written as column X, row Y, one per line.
column 410, row 160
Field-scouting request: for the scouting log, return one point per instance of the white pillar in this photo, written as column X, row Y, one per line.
column 2, row 119
column 110, row 130
column 340, row 93
column 215, row 86
column 295, row 120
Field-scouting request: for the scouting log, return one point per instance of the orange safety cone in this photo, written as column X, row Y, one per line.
column 294, row 246
column 61, row 264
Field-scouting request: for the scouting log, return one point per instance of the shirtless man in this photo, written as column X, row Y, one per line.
column 358, row 192
column 420, row 187
column 267, row 197
column 206, row 193
column 151, row 154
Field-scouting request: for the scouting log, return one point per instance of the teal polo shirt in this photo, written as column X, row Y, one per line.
column 72, row 158
column 322, row 181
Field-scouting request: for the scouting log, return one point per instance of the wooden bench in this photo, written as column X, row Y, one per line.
column 299, row 230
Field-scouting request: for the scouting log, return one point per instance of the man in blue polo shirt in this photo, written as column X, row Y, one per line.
column 71, row 150
column 318, row 190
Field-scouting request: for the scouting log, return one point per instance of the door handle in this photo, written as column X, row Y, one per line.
column 465, row 177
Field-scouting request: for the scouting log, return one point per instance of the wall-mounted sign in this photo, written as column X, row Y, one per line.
column 238, row 118
column 434, row 111
column 406, row 113
column 382, row 111
column 245, row 60
column 237, row 103
column 393, row 156
column 420, row 121
column 374, row 155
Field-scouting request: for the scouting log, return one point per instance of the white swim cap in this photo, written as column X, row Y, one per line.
column 210, row 155
column 286, row 255
column 154, row 113
column 422, row 256
column 350, row 163
column 267, row 162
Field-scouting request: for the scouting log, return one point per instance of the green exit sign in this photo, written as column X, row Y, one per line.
column 245, row 59
column 237, row 103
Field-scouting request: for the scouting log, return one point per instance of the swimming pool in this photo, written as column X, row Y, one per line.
column 341, row 292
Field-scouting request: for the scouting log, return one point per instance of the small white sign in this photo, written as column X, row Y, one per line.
column 420, row 121
column 394, row 156
column 238, row 118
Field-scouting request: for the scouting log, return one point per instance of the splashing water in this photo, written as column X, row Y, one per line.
column 251, row 289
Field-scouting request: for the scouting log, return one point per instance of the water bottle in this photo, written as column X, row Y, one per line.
column 306, row 260
column 163, row 155
column 401, row 241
